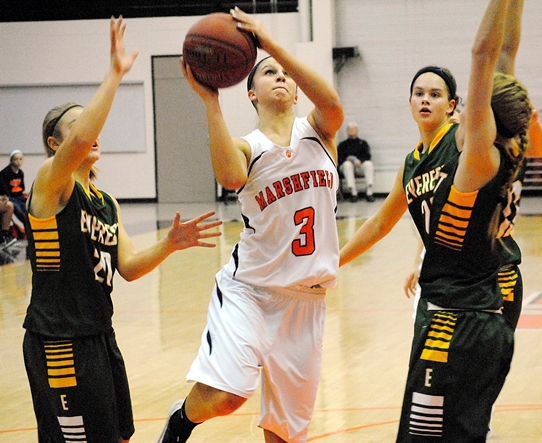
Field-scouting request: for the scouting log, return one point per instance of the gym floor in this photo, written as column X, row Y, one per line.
column 159, row 319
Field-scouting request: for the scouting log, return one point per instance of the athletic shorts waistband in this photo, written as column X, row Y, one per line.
column 433, row 307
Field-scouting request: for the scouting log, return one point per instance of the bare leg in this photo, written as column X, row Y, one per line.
column 272, row 438
column 6, row 213
column 201, row 404
column 347, row 168
column 204, row 402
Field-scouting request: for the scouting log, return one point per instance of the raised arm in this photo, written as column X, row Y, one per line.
column 507, row 65
column 229, row 156
column 89, row 125
column 480, row 159
column 55, row 179
column 507, row 57
column 328, row 114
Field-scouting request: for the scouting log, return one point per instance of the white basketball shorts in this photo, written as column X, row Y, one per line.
column 275, row 331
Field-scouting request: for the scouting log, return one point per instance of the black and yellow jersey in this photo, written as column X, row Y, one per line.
column 73, row 257
column 423, row 174
column 462, row 258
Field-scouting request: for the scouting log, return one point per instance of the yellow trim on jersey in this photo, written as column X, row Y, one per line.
column 441, row 334
column 439, row 337
column 454, row 219
column 434, row 142
column 459, row 224
column 92, row 190
column 507, row 283
column 452, row 232
column 60, row 364
column 45, row 233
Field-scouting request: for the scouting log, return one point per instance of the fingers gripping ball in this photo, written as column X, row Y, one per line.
column 218, row 53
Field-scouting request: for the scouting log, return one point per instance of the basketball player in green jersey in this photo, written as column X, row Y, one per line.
column 77, row 241
column 510, row 280
column 463, row 346
column 466, row 283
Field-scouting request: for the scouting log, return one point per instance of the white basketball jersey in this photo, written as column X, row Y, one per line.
column 288, row 205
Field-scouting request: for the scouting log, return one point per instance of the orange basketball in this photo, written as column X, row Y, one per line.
column 219, row 54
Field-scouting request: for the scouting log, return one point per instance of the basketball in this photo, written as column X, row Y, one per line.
column 218, row 53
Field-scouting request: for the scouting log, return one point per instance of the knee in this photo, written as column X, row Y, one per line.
column 347, row 167
column 205, row 402
column 229, row 403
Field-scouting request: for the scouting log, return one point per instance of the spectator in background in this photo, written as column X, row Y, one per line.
column 12, row 185
column 6, row 213
column 355, row 158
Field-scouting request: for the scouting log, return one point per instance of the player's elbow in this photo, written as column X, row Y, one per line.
column 130, row 275
column 127, row 270
column 336, row 110
column 232, row 182
column 231, row 185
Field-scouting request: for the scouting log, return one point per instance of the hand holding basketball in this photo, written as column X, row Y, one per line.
column 250, row 24
column 218, row 53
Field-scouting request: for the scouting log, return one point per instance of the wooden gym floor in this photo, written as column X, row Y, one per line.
column 159, row 319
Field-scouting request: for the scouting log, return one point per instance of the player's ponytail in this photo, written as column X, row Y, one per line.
column 512, row 110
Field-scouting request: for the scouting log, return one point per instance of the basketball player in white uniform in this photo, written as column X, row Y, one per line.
column 266, row 316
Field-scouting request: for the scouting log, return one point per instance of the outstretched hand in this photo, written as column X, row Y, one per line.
column 188, row 234
column 120, row 61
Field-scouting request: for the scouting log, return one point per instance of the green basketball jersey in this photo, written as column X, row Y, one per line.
column 73, row 257
column 422, row 175
column 462, row 260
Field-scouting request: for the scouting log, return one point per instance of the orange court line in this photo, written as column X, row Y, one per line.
column 530, row 322
column 499, row 408
column 8, row 431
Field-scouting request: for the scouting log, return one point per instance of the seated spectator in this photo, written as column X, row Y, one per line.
column 6, row 212
column 355, row 158
column 12, row 185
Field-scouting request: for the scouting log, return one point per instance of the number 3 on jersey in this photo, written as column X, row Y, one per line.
column 305, row 244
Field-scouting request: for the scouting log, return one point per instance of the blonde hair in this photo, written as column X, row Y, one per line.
column 512, row 109
column 51, row 128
